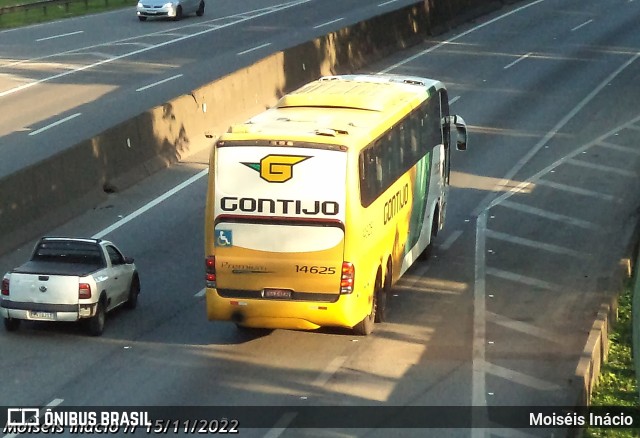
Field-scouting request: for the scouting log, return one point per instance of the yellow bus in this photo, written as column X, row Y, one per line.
column 317, row 206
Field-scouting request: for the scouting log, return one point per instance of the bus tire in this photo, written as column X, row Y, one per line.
column 382, row 298
column 365, row 327
column 428, row 251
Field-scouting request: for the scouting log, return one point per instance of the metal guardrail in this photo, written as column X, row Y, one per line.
column 44, row 4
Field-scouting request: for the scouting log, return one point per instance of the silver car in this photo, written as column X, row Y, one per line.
column 174, row 9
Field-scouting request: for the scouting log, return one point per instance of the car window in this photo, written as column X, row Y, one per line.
column 115, row 256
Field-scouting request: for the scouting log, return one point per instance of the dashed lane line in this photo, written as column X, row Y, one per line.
column 522, row 279
column 577, row 191
column 550, row 215
column 523, row 327
column 536, row 244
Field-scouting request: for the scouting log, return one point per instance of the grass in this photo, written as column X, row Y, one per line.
column 617, row 385
column 63, row 9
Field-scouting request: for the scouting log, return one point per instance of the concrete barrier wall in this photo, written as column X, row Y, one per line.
column 50, row 192
column 596, row 349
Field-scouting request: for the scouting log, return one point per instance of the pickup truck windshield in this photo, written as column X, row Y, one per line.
column 68, row 252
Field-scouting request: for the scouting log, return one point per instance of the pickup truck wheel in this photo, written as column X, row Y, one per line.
column 96, row 322
column 134, row 290
column 11, row 324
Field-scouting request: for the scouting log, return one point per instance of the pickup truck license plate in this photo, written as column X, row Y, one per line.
column 42, row 315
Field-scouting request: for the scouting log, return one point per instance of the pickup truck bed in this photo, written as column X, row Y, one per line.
column 58, row 268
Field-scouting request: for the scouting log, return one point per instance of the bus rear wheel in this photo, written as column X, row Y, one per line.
column 365, row 327
column 426, row 254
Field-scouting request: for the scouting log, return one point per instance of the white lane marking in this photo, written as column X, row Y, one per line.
column 457, row 37
column 490, row 200
column 328, row 23
column 454, row 100
column 521, row 378
column 146, row 87
column 522, row 58
column 517, row 278
column 60, row 36
column 136, row 52
column 635, row 128
column 450, row 240
column 602, row 167
column 478, row 388
column 565, row 159
column 523, row 327
column 548, row 247
column 148, row 206
column 59, row 122
column 386, row 3
column 261, row 46
column 549, row 215
column 52, row 404
column 619, row 148
column 577, row 190
column 581, row 25
column 329, row 371
column 201, row 293
column 281, row 425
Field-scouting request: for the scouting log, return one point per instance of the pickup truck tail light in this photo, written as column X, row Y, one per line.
column 210, row 271
column 5, row 287
column 84, row 291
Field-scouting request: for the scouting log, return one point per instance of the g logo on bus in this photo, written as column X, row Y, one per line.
column 277, row 168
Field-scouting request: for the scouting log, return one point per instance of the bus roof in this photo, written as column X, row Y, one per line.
column 338, row 110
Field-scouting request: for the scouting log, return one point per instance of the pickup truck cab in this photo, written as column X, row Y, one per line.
column 68, row 279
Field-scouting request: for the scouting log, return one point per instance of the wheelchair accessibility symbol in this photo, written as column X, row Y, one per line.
column 224, row 238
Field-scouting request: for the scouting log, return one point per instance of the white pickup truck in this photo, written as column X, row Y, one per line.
column 69, row 279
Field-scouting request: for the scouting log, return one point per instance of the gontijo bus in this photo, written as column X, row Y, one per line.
column 317, row 206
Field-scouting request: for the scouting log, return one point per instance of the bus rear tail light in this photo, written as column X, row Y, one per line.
column 210, row 271
column 348, row 277
column 84, row 291
column 5, row 287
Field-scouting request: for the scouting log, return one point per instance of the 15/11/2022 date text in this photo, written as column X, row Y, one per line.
column 222, row 426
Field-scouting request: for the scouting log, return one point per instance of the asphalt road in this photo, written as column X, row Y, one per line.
column 540, row 207
column 67, row 81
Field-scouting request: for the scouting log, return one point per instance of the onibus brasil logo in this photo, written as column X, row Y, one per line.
column 276, row 168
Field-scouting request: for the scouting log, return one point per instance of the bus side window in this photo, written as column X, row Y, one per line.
column 380, row 171
column 415, row 140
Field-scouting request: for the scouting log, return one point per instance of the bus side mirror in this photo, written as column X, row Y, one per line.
column 461, row 131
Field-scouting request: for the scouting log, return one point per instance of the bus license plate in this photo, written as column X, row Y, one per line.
column 42, row 315
column 277, row 293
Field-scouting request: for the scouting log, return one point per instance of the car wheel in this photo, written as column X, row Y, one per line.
column 200, row 11
column 11, row 324
column 178, row 16
column 134, row 291
column 142, row 18
column 96, row 322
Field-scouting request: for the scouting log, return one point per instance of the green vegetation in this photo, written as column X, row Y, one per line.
column 59, row 9
column 617, row 385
